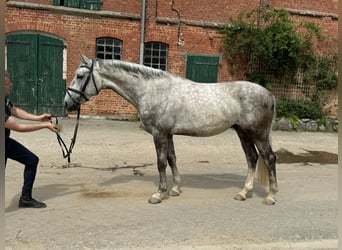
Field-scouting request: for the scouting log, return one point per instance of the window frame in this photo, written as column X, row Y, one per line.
column 156, row 55
column 115, row 43
column 80, row 4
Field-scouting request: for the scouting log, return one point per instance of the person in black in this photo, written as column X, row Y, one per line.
column 16, row 151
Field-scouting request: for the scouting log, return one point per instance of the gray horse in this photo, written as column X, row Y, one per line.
column 169, row 105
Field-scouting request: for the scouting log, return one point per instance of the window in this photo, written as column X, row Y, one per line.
column 155, row 55
column 81, row 4
column 108, row 48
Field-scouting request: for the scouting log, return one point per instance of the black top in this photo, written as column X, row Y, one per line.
column 8, row 106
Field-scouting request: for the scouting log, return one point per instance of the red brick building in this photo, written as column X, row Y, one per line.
column 166, row 34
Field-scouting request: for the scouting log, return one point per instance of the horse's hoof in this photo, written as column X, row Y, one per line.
column 174, row 192
column 240, row 197
column 269, row 201
column 154, row 200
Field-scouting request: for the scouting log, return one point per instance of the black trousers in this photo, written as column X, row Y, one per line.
column 15, row 151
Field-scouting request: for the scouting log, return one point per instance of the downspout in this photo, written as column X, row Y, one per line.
column 180, row 40
column 142, row 37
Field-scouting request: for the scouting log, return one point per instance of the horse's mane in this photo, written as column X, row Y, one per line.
column 144, row 71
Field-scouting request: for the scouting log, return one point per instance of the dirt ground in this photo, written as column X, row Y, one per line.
column 100, row 202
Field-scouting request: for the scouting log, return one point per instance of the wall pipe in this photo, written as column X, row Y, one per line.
column 142, row 37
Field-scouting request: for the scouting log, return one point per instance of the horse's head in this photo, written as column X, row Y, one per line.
column 82, row 87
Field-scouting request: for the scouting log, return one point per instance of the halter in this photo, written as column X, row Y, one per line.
column 81, row 92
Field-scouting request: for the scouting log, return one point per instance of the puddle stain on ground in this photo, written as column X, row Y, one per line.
column 104, row 195
column 321, row 157
column 95, row 191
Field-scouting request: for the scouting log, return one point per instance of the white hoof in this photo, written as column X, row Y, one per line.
column 156, row 198
column 240, row 196
column 269, row 200
column 175, row 191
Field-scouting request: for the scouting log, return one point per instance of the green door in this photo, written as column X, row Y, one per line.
column 51, row 86
column 202, row 68
column 21, row 64
column 35, row 63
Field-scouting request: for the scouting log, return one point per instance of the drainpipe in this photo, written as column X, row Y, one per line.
column 142, row 38
column 180, row 39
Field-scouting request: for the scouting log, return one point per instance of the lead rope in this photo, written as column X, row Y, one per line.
column 65, row 150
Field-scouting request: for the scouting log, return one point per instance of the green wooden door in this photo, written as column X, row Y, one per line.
column 51, row 86
column 202, row 68
column 22, row 66
column 35, row 63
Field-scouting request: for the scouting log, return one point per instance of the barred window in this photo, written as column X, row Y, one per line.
column 155, row 55
column 81, row 4
column 108, row 48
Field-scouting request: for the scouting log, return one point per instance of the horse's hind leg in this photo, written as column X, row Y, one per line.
column 171, row 157
column 161, row 144
column 252, row 158
column 269, row 158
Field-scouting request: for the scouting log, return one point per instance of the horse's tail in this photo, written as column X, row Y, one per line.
column 262, row 171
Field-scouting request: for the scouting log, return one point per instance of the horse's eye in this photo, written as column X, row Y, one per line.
column 79, row 76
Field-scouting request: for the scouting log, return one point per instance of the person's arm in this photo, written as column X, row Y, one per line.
column 12, row 124
column 22, row 114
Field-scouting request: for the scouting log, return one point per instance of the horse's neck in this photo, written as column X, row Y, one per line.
column 128, row 85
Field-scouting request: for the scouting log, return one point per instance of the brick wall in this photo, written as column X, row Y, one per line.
column 127, row 6
column 121, row 19
column 322, row 6
column 206, row 11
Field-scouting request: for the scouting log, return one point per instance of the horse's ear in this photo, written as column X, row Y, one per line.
column 85, row 60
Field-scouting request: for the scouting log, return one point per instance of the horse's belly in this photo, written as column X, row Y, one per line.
column 199, row 131
column 195, row 125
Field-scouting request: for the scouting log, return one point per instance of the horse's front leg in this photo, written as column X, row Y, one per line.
column 161, row 144
column 171, row 158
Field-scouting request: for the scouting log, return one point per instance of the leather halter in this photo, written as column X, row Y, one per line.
column 81, row 92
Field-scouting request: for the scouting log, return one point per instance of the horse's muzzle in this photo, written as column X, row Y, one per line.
column 71, row 107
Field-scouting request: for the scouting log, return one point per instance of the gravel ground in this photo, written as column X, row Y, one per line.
column 100, row 201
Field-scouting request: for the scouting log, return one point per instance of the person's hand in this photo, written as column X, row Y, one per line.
column 45, row 118
column 52, row 127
